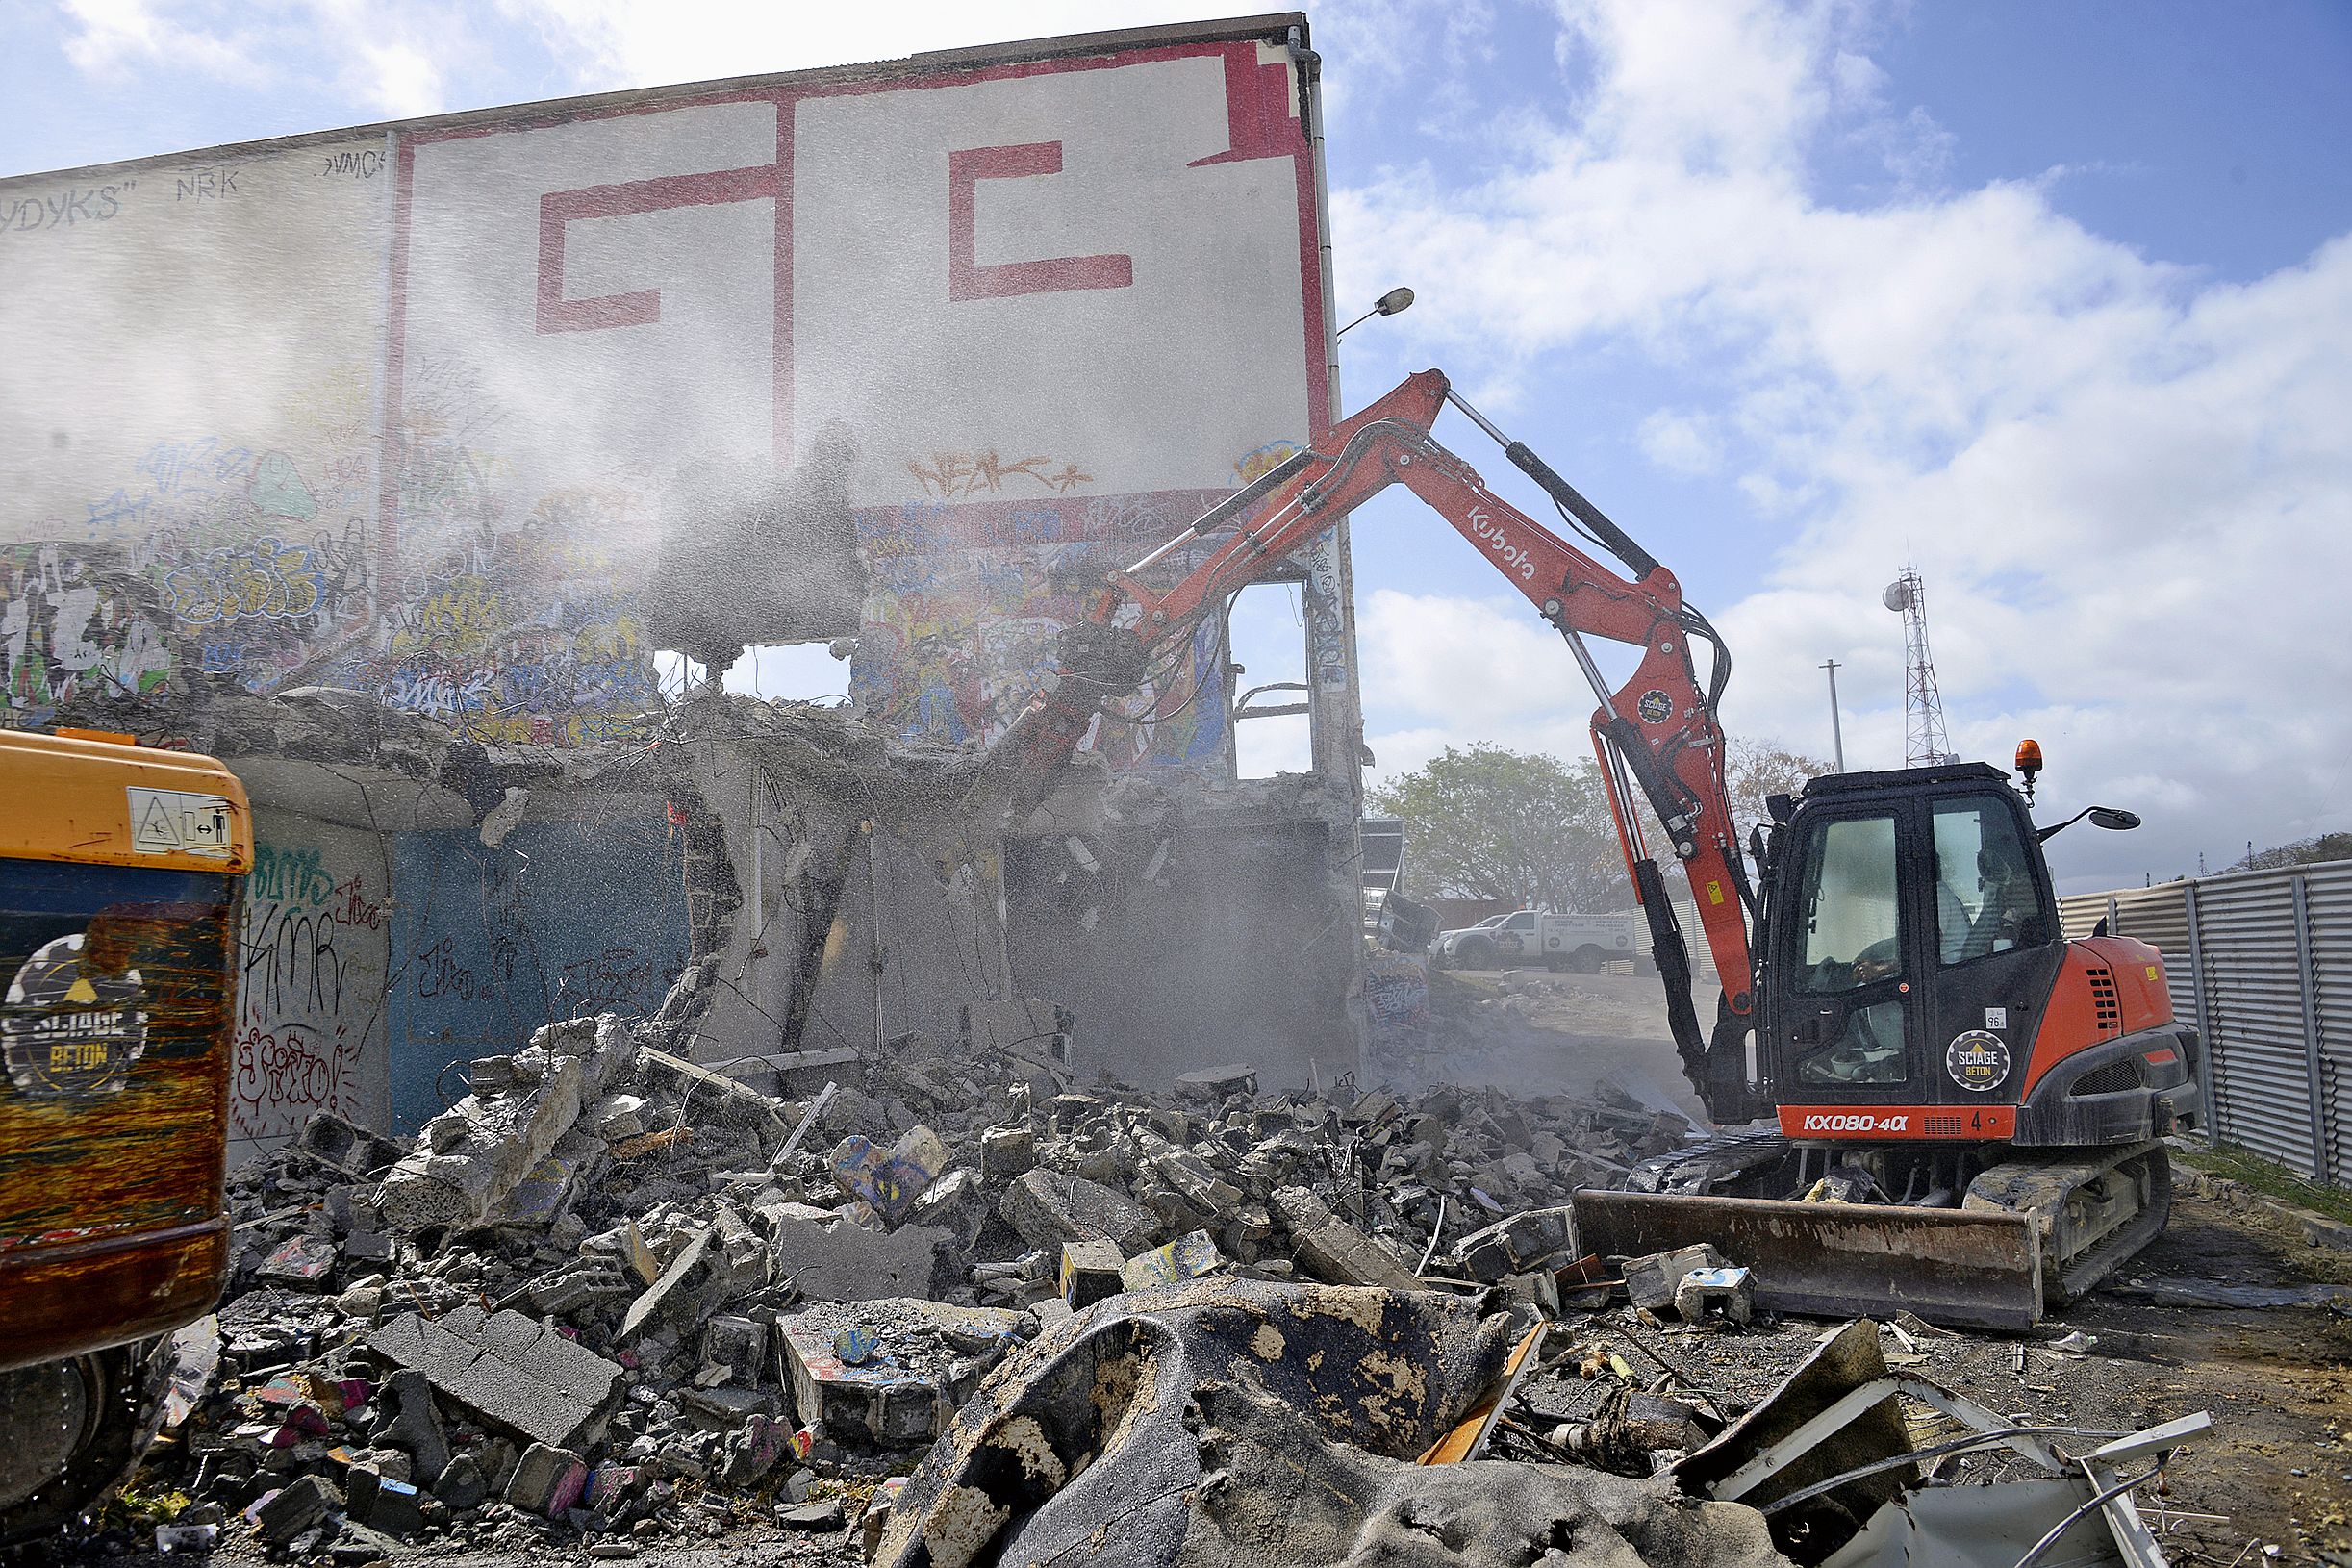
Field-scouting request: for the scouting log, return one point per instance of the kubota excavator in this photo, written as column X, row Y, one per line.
column 1974, row 1104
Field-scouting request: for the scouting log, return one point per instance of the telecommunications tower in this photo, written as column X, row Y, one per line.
column 1925, row 742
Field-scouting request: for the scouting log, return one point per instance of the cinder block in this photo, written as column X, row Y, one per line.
column 1090, row 1270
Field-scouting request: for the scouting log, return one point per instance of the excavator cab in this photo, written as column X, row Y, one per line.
column 1909, row 941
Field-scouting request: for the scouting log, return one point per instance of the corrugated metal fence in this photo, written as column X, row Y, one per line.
column 2262, row 963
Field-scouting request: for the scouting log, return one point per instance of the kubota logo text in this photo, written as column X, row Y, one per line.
column 1855, row 1122
column 1490, row 533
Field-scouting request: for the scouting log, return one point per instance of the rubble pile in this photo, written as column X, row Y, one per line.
column 617, row 1295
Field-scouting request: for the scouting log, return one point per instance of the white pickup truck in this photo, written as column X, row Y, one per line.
column 1582, row 943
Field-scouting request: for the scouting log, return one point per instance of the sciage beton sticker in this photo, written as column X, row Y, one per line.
column 1977, row 1061
column 70, row 1030
column 1655, row 707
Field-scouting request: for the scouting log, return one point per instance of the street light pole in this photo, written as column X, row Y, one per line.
column 1837, row 732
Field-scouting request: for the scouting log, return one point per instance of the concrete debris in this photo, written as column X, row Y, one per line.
column 614, row 1297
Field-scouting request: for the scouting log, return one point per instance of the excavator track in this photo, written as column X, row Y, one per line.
column 2095, row 1210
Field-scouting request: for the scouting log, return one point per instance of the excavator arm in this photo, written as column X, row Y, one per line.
column 1655, row 734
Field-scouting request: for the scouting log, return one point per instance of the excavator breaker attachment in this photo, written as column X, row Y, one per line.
column 1968, row 1270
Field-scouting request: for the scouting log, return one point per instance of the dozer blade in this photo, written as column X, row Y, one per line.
column 1840, row 1260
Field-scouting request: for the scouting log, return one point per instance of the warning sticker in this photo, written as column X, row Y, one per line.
column 72, row 1029
column 176, row 822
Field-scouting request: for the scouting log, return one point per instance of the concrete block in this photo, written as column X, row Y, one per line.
column 519, row 1376
column 1218, row 1082
column 381, row 1503
column 1090, row 1270
column 956, row 1203
column 414, row 1424
column 844, row 1262
column 299, row 1505
column 354, row 1151
column 898, row 1401
column 1653, row 1279
column 1008, row 1152
column 1048, row 1209
column 738, row 1344
column 890, row 1182
column 1334, row 1251
column 1728, row 1291
column 1521, row 1243
column 547, row 1480
column 461, row 1485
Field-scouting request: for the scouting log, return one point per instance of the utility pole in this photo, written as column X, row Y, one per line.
column 1837, row 731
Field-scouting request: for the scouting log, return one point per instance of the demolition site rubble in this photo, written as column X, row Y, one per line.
column 923, row 1307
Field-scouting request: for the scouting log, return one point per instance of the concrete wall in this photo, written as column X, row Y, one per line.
column 470, row 415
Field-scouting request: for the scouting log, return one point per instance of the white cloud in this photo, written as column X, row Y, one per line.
column 2127, row 485
column 608, row 44
column 115, row 36
column 1682, row 441
column 390, row 62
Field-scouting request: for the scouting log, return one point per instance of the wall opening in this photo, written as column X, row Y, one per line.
column 678, row 675
column 793, row 671
column 1266, row 681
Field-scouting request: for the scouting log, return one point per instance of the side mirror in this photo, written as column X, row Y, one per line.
column 2109, row 817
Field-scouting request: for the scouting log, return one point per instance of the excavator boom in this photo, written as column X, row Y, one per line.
column 1656, row 734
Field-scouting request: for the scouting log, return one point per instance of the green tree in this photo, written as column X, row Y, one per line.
column 1490, row 824
column 1756, row 767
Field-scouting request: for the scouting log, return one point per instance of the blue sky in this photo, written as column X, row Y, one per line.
column 2055, row 300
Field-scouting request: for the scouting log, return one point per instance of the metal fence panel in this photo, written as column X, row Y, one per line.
column 2258, row 1058
column 2262, row 961
column 2329, row 891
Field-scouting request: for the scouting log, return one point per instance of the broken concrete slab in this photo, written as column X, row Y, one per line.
column 1047, row 1208
column 1334, row 1251
column 715, row 1092
column 1651, row 1281
column 672, row 1280
column 508, row 1135
column 1518, row 1245
column 521, row 1377
column 845, row 1262
column 1218, row 1082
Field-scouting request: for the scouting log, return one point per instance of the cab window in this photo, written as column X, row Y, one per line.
column 1522, row 922
column 1847, row 901
column 1985, row 900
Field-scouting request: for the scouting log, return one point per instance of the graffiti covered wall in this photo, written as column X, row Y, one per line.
column 408, row 411
column 398, row 410
column 312, row 965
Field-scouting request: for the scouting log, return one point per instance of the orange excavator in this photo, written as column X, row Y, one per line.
column 1974, row 1105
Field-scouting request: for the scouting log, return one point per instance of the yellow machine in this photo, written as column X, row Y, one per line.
column 121, row 875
